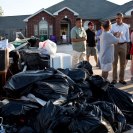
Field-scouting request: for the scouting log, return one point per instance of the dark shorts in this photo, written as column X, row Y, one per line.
column 91, row 51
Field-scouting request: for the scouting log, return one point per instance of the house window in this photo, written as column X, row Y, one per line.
column 51, row 30
column 43, row 27
column 35, row 30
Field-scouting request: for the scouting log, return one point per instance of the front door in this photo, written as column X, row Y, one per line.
column 65, row 31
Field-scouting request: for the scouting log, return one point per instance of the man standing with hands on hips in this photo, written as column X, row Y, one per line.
column 78, row 39
column 120, row 49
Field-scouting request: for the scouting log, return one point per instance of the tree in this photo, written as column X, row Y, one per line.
column 1, row 11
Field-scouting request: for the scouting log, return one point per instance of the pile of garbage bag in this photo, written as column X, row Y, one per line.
column 34, row 60
column 64, row 101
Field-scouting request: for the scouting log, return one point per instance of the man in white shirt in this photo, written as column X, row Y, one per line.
column 120, row 49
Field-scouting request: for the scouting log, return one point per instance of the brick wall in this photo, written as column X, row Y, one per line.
column 35, row 21
column 61, row 16
column 56, row 21
column 128, row 20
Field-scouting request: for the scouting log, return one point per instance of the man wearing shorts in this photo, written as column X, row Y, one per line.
column 91, row 43
column 78, row 39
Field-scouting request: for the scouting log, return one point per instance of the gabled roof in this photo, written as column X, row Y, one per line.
column 128, row 13
column 122, row 8
column 91, row 9
column 126, row 7
column 26, row 19
column 57, row 12
column 10, row 22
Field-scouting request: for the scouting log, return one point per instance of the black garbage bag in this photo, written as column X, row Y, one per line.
column 34, row 59
column 18, row 84
column 70, row 119
column 33, row 41
column 75, row 93
column 76, row 74
column 17, row 129
column 54, row 87
column 113, row 115
column 88, row 119
column 48, row 118
column 18, row 111
column 90, row 124
column 10, row 128
column 86, row 65
column 98, row 85
column 22, row 83
column 51, row 89
column 85, row 86
column 122, row 99
column 26, row 129
column 128, row 128
column 14, row 64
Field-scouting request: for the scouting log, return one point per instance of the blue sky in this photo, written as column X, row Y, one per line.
column 25, row 7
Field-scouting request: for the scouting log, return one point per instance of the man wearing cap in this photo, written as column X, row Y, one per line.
column 120, row 49
column 91, row 43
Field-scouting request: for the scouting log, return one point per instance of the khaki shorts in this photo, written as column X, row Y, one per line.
column 77, row 57
column 91, row 51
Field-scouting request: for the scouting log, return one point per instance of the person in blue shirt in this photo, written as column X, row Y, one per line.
column 107, row 41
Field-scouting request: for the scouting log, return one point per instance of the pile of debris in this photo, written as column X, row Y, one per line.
column 64, row 101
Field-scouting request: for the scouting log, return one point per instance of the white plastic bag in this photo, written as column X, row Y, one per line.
column 48, row 47
column 11, row 47
column 4, row 44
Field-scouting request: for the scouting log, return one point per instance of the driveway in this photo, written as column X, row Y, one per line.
column 67, row 48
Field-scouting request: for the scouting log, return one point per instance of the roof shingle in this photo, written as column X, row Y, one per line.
column 10, row 22
column 95, row 9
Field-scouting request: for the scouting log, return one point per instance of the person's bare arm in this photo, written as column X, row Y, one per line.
column 78, row 39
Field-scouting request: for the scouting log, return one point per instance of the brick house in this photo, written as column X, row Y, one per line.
column 57, row 21
column 46, row 24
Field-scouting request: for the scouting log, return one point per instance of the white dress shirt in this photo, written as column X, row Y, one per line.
column 124, row 29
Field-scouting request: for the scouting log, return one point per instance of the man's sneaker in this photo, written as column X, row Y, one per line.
column 113, row 82
column 123, row 82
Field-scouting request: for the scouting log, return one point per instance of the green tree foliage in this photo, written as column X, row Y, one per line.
column 1, row 11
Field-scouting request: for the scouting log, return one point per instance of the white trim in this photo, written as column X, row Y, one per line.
column 128, row 13
column 57, row 12
column 26, row 20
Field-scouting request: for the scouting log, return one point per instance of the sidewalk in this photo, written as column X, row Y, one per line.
column 129, row 87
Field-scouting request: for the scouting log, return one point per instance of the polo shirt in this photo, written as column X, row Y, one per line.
column 78, row 33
